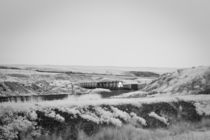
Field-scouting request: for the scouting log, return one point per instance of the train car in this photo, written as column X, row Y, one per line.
column 88, row 85
column 130, row 86
column 110, row 84
column 113, row 85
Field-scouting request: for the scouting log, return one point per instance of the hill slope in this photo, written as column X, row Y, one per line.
column 194, row 80
column 183, row 81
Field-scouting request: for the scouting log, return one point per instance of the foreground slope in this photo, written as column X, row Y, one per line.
column 89, row 114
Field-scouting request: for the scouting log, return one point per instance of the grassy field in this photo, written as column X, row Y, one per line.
column 25, row 80
column 183, row 114
column 176, row 132
column 92, row 117
column 181, row 131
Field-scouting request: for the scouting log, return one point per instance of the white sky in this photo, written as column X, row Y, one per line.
column 163, row 33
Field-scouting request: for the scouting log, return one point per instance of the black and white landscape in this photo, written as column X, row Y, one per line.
column 104, row 70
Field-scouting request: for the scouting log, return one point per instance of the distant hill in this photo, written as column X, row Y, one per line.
column 91, row 69
column 144, row 74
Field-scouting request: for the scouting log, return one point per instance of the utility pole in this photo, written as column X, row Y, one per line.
column 72, row 88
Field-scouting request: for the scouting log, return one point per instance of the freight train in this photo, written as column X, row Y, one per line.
column 113, row 85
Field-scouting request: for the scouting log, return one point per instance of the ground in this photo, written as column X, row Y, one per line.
column 172, row 105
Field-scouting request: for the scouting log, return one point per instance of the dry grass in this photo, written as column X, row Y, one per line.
column 132, row 133
column 179, row 131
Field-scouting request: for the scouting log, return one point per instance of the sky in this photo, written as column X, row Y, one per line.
column 135, row 33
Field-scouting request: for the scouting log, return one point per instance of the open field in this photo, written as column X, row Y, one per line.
column 90, row 69
column 173, row 105
column 31, row 80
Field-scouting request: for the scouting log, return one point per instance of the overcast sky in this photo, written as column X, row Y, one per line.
column 154, row 33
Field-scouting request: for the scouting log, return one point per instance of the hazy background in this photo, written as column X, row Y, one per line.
column 154, row 33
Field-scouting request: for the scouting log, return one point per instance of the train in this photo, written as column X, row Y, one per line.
column 112, row 85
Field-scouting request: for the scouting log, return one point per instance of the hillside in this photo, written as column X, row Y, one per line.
column 188, row 81
column 16, row 82
column 33, row 80
column 183, row 81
